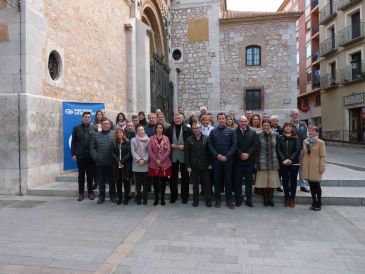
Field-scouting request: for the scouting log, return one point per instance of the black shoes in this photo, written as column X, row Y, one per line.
column 155, row 203
column 304, row 189
column 163, row 202
column 249, row 204
column 120, row 201
column 113, row 199
column 125, row 201
column 91, row 196
column 208, row 204
column 238, row 204
column 218, row 204
column 184, row 201
column 195, row 204
column 279, row 189
column 81, row 197
column 144, row 201
column 230, row 205
column 172, row 201
column 100, row 201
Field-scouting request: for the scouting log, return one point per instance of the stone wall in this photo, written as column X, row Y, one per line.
column 198, row 77
column 276, row 75
column 91, row 41
column 10, row 86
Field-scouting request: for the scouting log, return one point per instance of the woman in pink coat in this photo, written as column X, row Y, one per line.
column 159, row 166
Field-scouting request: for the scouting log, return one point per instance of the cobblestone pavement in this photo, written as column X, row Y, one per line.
column 61, row 235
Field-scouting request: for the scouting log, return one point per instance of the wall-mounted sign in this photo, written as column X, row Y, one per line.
column 354, row 99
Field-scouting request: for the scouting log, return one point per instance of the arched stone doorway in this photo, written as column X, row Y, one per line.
column 161, row 87
column 151, row 16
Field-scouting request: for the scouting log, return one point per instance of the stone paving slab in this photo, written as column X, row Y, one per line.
column 65, row 236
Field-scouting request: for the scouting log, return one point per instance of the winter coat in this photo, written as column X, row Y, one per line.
column 81, row 138
column 267, row 151
column 222, row 140
column 197, row 155
column 314, row 163
column 246, row 143
column 124, row 156
column 289, row 148
column 134, row 150
column 160, row 152
column 302, row 131
column 186, row 132
column 101, row 147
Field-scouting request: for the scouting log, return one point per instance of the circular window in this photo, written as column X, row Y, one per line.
column 54, row 65
column 176, row 54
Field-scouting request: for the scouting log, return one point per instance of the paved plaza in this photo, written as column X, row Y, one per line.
column 60, row 235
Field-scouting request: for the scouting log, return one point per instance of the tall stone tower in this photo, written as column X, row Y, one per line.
column 196, row 53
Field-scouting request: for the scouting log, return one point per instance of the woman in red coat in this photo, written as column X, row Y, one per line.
column 160, row 163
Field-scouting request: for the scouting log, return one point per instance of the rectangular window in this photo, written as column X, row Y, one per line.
column 253, row 99
column 318, row 100
column 308, row 50
column 309, row 76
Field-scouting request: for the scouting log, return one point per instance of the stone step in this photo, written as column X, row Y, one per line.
column 72, row 177
column 352, row 196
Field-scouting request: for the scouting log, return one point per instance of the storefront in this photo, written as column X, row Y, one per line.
column 355, row 103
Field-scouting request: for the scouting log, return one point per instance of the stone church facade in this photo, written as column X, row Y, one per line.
column 103, row 51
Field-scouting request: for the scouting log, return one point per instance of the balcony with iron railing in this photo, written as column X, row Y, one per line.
column 328, row 46
column 315, row 29
column 327, row 13
column 315, row 56
column 316, row 83
column 351, row 34
column 354, row 72
column 344, row 4
column 329, row 81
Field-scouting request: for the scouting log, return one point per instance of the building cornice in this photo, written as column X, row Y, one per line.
column 230, row 17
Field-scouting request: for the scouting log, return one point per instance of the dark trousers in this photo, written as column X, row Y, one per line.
column 159, row 187
column 123, row 181
column 196, row 177
column 141, row 180
column 85, row 166
column 316, row 192
column 223, row 169
column 105, row 177
column 247, row 171
column 289, row 175
column 184, row 181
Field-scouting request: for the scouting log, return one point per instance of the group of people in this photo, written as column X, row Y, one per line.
column 219, row 155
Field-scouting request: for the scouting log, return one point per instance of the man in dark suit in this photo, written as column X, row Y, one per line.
column 244, row 160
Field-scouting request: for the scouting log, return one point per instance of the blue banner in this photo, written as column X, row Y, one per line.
column 72, row 116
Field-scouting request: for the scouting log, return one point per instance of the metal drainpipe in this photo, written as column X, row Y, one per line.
column 19, row 91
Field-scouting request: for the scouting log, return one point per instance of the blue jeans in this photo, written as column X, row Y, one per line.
column 106, row 176
column 246, row 170
column 223, row 169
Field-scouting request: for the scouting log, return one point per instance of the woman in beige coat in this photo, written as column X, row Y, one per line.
column 313, row 165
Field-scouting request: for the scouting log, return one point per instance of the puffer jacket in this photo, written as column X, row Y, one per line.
column 289, row 148
column 267, row 151
column 81, row 138
column 101, row 147
column 123, row 155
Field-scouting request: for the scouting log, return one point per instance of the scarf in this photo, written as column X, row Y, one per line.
column 310, row 141
column 140, row 141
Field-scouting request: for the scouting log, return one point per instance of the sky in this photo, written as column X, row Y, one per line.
column 254, row 5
